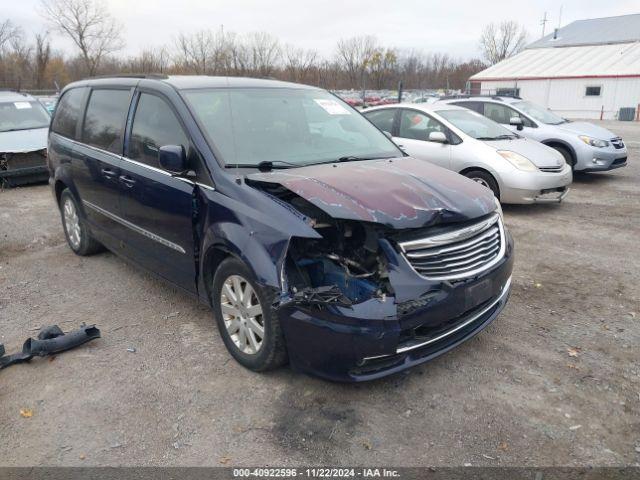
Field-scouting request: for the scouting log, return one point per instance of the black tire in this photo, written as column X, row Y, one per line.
column 566, row 154
column 87, row 245
column 485, row 179
column 272, row 352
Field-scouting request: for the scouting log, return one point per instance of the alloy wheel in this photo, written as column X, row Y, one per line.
column 481, row 181
column 242, row 314
column 72, row 223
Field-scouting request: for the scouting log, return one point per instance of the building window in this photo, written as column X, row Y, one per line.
column 593, row 91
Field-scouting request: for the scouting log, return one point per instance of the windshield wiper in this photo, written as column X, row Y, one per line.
column 353, row 158
column 499, row 137
column 20, row 129
column 265, row 165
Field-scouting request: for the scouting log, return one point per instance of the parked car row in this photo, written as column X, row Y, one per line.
column 522, row 152
column 584, row 146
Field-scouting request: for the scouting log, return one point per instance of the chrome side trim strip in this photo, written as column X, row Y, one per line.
column 140, row 164
column 503, row 294
column 446, row 238
column 135, row 228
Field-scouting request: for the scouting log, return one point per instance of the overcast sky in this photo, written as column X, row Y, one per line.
column 452, row 27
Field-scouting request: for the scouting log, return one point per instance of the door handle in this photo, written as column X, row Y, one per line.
column 128, row 181
column 108, row 173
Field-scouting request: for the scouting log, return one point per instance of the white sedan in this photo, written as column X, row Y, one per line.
column 516, row 169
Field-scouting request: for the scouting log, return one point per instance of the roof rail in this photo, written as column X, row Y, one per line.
column 494, row 96
column 153, row 76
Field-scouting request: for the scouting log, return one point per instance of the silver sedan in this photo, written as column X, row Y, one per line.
column 516, row 169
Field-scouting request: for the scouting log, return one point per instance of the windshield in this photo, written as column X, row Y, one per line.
column 476, row 125
column 22, row 116
column 539, row 113
column 291, row 126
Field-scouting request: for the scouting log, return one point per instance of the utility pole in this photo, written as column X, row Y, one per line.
column 543, row 22
column 560, row 18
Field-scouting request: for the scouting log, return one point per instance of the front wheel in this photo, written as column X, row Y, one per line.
column 246, row 319
column 75, row 231
column 566, row 154
column 485, row 179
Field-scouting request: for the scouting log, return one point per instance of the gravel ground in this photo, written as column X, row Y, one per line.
column 555, row 380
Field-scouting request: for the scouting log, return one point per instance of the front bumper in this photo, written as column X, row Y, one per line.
column 379, row 337
column 536, row 187
column 23, row 167
column 600, row 159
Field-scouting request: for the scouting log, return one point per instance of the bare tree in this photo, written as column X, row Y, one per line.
column 298, row 63
column 381, row 65
column 502, row 40
column 263, row 53
column 203, row 52
column 8, row 32
column 42, row 57
column 89, row 25
column 353, row 55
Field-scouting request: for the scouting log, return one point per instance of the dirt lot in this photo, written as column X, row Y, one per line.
column 555, row 380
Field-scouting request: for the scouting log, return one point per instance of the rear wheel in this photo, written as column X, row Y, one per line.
column 485, row 179
column 75, row 230
column 247, row 322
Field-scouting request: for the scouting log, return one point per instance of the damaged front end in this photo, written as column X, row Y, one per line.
column 345, row 266
column 354, row 304
column 20, row 168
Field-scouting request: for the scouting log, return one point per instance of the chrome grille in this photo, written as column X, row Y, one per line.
column 617, row 142
column 457, row 254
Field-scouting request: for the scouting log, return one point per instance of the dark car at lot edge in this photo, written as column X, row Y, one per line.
column 24, row 123
column 313, row 238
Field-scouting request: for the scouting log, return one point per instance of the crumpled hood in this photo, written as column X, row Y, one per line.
column 585, row 128
column 401, row 193
column 540, row 155
column 23, row 140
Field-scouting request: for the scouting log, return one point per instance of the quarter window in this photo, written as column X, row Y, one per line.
column 67, row 113
column 154, row 126
column 105, row 118
column 383, row 119
column 593, row 91
column 475, row 106
column 418, row 126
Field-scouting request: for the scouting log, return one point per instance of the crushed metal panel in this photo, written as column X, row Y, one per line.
column 417, row 193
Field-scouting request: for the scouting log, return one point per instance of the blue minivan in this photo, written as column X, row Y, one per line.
column 314, row 239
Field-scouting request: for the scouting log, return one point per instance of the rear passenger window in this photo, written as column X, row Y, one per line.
column 68, row 112
column 475, row 106
column 383, row 119
column 498, row 113
column 154, row 125
column 105, row 119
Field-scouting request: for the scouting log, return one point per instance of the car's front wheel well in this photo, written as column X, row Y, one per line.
column 213, row 257
column 559, row 146
column 58, row 189
column 468, row 170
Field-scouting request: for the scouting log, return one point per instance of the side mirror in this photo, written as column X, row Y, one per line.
column 172, row 158
column 388, row 135
column 516, row 122
column 437, row 137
